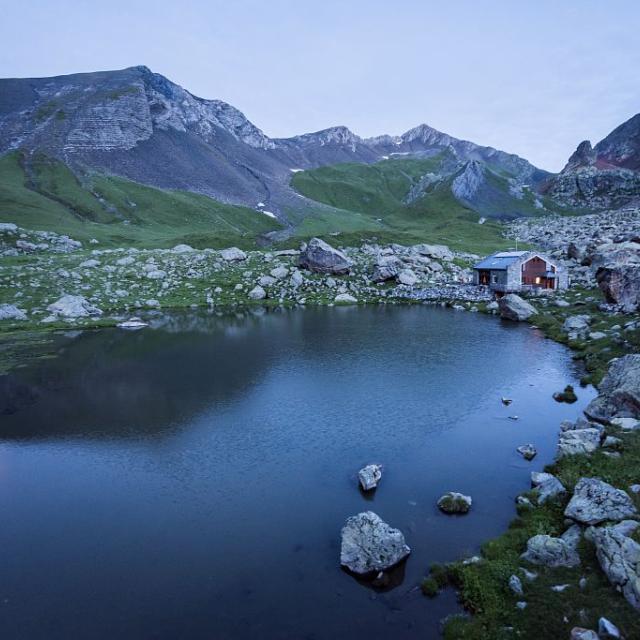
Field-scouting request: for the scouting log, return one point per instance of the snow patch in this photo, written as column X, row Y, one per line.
column 296, row 170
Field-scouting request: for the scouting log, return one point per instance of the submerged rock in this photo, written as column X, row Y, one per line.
column 369, row 544
column 513, row 307
column 595, row 501
column 453, row 502
column 369, row 476
column 527, row 451
column 322, row 257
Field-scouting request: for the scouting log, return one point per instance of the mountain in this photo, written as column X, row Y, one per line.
column 606, row 176
column 140, row 126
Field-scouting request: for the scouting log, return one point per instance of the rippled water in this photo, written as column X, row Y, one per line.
column 190, row 480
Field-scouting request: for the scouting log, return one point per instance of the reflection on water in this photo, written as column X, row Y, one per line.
column 191, row 479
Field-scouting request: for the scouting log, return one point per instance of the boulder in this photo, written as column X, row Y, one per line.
column 527, row 451
column 257, row 293
column 11, row 312
column 620, row 285
column 619, row 391
column 513, row 307
column 595, row 501
column 370, row 545
column 407, row 277
column 453, row 502
column 323, row 258
column 606, row 629
column 69, row 306
column 279, row 273
column 369, row 476
column 548, row 551
column 577, row 326
column 578, row 441
column 266, row 281
column 546, row 486
column 233, row 254
column 619, row 558
column 386, row 268
column 435, row 251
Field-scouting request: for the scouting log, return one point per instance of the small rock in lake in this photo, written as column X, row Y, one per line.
column 369, row 476
column 453, row 502
column 527, row 451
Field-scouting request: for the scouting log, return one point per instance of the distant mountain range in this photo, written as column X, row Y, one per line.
column 139, row 125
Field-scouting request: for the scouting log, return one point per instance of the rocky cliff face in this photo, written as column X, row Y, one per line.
column 140, row 125
column 606, row 176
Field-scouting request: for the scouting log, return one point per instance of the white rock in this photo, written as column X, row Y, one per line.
column 257, row 293
column 132, row 323
column 370, row 476
column 233, row 254
column 69, row 306
column 595, row 501
column 369, row 544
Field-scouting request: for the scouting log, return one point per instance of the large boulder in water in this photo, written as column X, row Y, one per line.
column 323, row 258
column 369, row 544
column 619, row 391
column 513, row 307
column 595, row 501
column 620, row 284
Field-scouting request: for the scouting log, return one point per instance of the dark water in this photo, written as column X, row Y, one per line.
column 190, row 480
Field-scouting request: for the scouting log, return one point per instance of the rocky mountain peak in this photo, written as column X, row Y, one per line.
column 583, row 156
column 339, row 135
column 621, row 148
column 426, row 135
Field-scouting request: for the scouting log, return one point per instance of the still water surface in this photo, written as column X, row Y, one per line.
column 190, row 480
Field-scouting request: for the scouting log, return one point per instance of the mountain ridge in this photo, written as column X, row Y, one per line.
column 142, row 126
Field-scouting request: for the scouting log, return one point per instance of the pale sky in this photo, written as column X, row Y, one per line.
column 533, row 78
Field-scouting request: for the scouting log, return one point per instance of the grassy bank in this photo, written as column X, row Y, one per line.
column 483, row 587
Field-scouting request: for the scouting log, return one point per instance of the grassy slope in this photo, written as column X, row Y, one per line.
column 119, row 212
column 375, row 193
